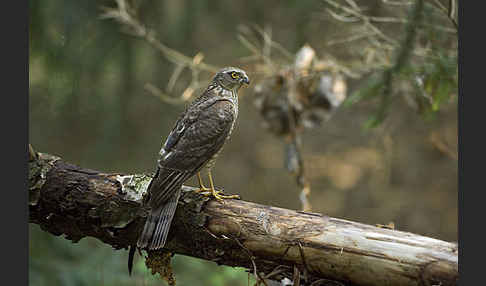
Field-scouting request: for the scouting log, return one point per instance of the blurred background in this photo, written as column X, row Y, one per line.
column 88, row 104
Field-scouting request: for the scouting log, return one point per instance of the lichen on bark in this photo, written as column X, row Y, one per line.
column 134, row 186
column 39, row 165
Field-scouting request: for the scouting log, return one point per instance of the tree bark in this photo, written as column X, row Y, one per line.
column 65, row 199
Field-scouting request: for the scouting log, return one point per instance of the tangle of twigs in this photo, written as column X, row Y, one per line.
column 126, row 15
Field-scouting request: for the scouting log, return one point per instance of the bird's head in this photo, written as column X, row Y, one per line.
column 231, row 78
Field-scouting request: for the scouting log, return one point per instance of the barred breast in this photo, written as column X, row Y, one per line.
column 234, row 99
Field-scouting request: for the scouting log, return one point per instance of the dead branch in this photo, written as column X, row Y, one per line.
column 126, row 15
column 68, row 200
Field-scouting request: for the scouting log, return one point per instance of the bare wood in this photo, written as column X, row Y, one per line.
column 77, row 202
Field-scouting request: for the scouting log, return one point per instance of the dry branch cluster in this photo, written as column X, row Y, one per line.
column 126, row 15
column 302, row 94
column 293, row 92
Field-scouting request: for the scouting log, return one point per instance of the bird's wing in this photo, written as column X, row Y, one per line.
column 187, row 118
column 188, row 148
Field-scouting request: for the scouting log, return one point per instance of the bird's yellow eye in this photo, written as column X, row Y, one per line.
column 234, row 75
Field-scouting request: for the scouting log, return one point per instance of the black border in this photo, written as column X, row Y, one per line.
column 15, row 95
column 463, row 186
column 460, row 121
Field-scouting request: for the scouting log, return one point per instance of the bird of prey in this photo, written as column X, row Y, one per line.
column 194, row 142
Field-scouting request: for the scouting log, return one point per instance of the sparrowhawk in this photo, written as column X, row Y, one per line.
column 194, row 142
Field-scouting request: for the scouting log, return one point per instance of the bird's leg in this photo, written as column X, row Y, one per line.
column 215, row 193
column 202, row 188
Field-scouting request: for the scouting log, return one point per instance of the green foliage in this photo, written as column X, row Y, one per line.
column 434, row 83
column 432, row 76
column 440, row 81
column 371, row 88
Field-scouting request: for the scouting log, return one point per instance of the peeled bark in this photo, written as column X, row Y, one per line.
column 276, row 242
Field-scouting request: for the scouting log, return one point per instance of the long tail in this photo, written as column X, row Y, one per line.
column 158, row 223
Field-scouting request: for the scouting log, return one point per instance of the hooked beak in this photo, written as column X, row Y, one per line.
column 245, row 80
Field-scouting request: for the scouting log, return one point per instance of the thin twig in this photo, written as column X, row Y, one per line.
column 365, row 19
column 275, row 271
column 256, row 52
column 350, row 39
column 161, row 95
column 32, row 154
column 398, row 3
column 449, row 12
column 296, row 276
column 302, row 256
column 267, row 47
column 272, row 43
column 250, row 255
column 126, row 15
column 295, row 140
column 406, row 21
column 345, row 19
column 403, row 55
column 353, row 5
column 441, row 6
column 175, row 75
column 452, row 13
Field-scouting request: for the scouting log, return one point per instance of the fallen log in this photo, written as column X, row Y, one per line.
column 273, row 243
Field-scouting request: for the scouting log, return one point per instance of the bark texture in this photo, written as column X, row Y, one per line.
column 65, row 199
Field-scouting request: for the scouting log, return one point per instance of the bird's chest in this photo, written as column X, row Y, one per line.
column 233, row 98
column 235, row 111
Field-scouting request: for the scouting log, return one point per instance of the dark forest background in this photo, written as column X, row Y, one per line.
column 88, row 104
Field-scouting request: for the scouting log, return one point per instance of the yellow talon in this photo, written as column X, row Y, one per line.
column 202, row 188
column 213, row 192
column 216, row 195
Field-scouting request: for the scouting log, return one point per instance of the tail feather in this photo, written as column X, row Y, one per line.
column 158, row 223
column 165, row 219
column 164, row 190
column 131, row 254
